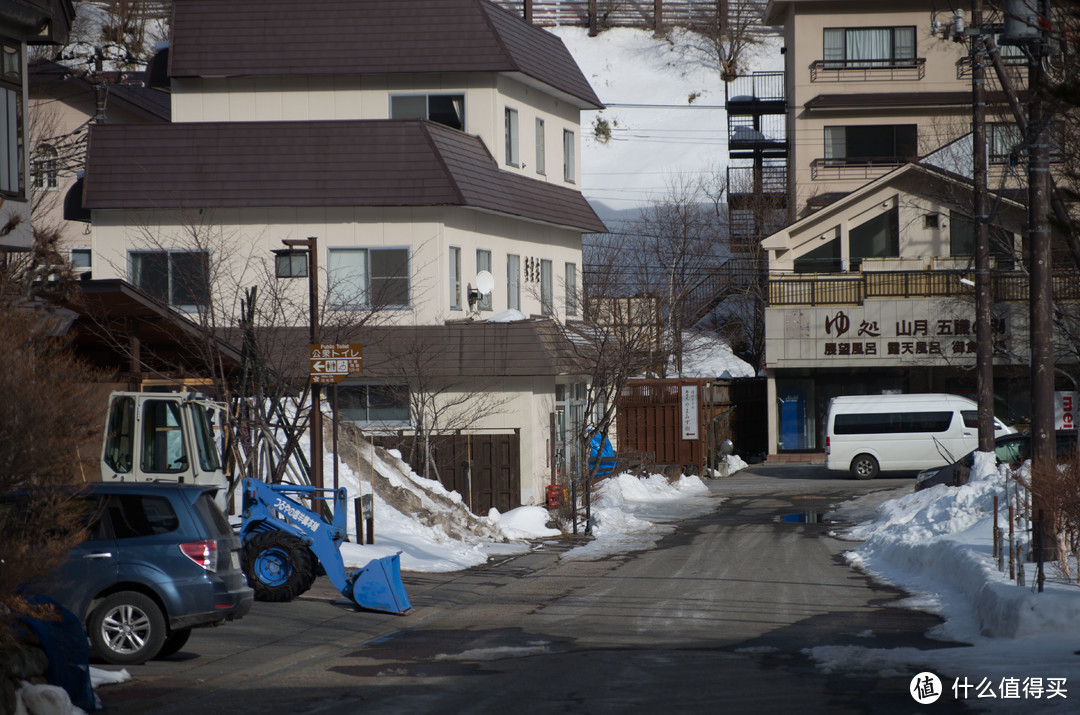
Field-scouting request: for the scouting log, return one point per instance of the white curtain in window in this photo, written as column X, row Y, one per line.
column 347, row 271
column 868, row 44
column 834, row 45
column 904, row 38
column 835, row 142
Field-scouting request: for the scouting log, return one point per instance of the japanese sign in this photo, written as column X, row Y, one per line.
column 689, row 412
column 333, row 362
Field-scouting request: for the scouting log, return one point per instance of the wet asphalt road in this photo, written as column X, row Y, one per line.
column 717, row 617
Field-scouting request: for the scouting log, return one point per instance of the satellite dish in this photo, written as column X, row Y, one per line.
column 485, row 283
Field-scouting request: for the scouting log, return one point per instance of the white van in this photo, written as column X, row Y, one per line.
column 870, row 433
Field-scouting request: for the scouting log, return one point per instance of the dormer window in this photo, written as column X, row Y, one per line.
column 448, row 109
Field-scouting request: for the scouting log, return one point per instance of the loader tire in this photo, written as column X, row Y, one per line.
column 278, row 566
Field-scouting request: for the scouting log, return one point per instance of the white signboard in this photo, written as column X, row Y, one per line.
column 689, row 412
column 1066, row 408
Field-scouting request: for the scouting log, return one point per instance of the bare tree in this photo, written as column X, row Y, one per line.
column 721, row 35
column 48, row 417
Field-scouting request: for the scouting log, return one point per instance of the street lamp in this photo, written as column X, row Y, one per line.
column 299, row 259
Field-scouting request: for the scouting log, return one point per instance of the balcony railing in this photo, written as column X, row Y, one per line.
column 853, row 169
column 1016, row 65
column 754, row 89
column 855, row 288
column 868, row 70
column 755, row 181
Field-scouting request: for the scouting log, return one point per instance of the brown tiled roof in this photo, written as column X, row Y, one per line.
column 351, row 37
column 898, row 99
column 467, row 349
column 151, row 104
column 329, row 163
column 30, row 17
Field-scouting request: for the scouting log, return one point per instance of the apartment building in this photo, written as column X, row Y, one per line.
column 870, row 279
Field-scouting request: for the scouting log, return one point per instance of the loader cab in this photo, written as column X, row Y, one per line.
column 162, row 437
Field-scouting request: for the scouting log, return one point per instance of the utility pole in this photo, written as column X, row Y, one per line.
column 984, row 355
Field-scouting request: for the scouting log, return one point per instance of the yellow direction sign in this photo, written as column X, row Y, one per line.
column 333, row 362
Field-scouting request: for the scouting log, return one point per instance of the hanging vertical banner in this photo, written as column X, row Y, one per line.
column 689, row 412
column 1065, row 410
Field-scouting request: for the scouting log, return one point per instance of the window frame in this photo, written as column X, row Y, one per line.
column 455, row 277
column 570, row 288
column 81, row 251
column 569, row 165
column 847, row 159
column 510, row 129
column 427, row 106
column 172, row 286
column 45, row 170
column 364, row 301
column 513, row 281
column 483, row 263
column 541, row 147
column 12, row 119
column 405, row 403
column 547, row 297
column 847, row 62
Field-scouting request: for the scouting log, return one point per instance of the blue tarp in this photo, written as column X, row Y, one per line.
column 65, row 644
column 600, row 446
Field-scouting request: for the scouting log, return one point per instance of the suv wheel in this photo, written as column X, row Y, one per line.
column 278, row 566
column 127, row 629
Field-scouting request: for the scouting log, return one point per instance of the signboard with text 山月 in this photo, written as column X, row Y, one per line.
column 333, row 362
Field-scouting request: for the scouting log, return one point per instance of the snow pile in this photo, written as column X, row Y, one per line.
column 938, row 545
column 525, row 522
column 628, row 513
column 709, row 356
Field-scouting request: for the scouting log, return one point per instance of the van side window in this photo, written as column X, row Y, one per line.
column 891, row 423
column 971, row 418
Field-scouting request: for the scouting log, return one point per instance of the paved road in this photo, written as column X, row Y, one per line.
column 716, row 617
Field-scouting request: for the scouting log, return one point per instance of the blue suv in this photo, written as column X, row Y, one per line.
column 160, row 560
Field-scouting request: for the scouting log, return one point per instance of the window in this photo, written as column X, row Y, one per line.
column 869, row 47
column 368, row 277
column 1001, row 140
column 163, row 450
column 547, row 302
column 179, row 278
column 483, row 263
column 571, row 289
column 45, row 169
column 886, row 144
column 541, row 167
column 891, row 422
column 137, row 515
column 448, row 109
column 81, row 259
column 12, row 181
column 877, row 238
column 513, row 282
column 962, row 240
column 375, row 403
column 569, row 172
column 511, row 130
column 823, row 259
column 455, row 278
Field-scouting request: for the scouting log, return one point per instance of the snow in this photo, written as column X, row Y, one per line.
column 707, row 356
column 937, row 544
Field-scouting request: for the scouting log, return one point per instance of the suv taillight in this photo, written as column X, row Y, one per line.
column 204, row 553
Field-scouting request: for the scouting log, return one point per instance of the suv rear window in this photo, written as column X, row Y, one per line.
column 134, row 515
column 211, row 516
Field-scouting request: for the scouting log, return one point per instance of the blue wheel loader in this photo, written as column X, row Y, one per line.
column 286, row 545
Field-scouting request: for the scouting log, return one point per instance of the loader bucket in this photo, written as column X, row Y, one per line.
column 378, row 586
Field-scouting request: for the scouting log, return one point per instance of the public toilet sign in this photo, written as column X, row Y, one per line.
column 333, row 362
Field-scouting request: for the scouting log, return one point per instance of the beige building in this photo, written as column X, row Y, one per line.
column 870, row 280
column 869, row 88
column 421, row 144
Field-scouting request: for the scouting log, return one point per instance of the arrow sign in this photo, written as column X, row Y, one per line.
column 333, row 362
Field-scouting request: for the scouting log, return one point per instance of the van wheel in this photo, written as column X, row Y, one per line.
column 864, row 467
